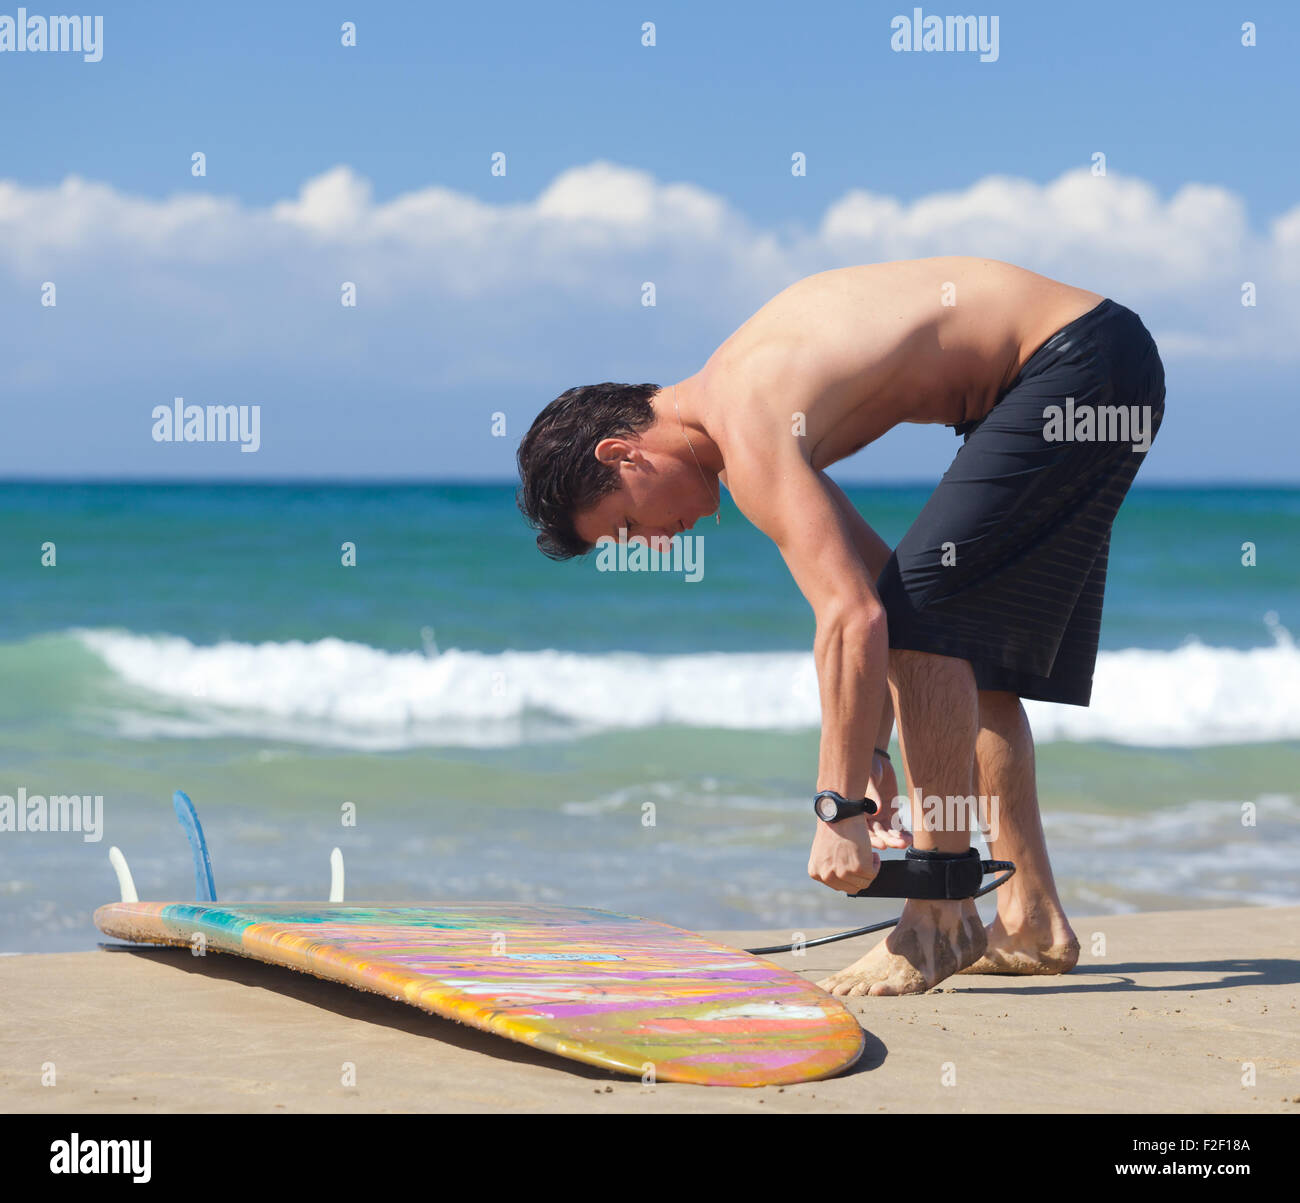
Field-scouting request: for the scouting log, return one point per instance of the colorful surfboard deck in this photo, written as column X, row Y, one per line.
column 596, row 986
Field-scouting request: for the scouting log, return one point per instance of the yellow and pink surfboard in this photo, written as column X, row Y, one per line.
column 611, row 990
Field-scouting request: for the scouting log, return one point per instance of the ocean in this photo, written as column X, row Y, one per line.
column 467, row 720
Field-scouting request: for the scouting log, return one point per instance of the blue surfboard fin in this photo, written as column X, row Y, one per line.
column 205, row 889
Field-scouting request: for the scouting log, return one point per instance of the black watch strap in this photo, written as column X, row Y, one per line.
column 844, row 809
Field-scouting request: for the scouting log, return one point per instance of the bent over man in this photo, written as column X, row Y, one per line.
column 993, row 595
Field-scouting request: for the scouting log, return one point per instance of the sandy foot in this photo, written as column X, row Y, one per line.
column 933, row 941
column 1047, row 947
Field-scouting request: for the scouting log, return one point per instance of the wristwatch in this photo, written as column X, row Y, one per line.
column 831, row 807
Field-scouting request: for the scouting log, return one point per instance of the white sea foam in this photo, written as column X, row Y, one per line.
column 336, row 692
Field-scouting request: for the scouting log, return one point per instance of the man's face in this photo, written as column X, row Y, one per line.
column 656, row 499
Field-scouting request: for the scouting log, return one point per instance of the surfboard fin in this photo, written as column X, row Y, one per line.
column 125, row 883
column 336, row 875
column 205, row 889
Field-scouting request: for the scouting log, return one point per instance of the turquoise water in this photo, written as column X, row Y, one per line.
column 506, row 727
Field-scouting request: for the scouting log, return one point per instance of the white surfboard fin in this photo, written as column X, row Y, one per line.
column 336, row 876
column 125, row 884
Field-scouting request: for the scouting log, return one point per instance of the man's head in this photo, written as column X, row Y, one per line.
column 597, row 459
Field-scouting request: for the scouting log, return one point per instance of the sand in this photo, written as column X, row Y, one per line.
column 1168, row 1016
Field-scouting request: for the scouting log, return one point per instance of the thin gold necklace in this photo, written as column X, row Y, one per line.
column 717, row 514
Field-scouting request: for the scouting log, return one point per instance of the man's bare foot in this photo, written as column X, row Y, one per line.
column 1046, row 944
column 932, row 941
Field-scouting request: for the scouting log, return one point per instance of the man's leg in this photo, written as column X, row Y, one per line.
column 1031, row 933
column 937, row 706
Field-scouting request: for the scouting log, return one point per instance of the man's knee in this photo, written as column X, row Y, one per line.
column 1002, row 711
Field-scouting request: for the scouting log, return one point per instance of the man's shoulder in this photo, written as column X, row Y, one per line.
column 754, row 411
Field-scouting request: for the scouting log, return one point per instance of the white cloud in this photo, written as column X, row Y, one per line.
column 1078, row 224
column 584, row 245
column 1286, row 239
column 330, row 205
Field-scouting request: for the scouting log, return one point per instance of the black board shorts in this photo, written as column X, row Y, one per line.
column 1006, row 564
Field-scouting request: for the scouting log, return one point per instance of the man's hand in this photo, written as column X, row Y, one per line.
column 886, row 830
column 842, row 857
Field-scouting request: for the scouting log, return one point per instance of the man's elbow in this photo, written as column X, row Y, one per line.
column 861, row 623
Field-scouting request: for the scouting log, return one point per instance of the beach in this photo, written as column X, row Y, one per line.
column 1173, row 1017
column 541, row 735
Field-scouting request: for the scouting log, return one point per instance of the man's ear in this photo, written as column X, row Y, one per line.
column 612, row 451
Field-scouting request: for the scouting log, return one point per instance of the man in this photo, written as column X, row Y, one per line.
column 993, row 595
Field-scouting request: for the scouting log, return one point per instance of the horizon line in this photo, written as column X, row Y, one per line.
column 504, row 482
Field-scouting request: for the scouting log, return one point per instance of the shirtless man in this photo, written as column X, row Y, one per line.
column 993, row 595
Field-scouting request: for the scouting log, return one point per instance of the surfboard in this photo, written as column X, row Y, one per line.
column 596, row 986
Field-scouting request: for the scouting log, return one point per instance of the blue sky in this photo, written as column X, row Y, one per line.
column 480, row 295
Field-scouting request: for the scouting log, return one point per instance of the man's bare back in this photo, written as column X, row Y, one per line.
column 865, row 348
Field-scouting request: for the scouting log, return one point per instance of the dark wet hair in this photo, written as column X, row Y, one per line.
column 557, row 463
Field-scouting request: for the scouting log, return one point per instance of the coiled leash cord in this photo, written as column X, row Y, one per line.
column 928, row 875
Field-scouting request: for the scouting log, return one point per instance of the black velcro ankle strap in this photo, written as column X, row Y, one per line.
column 929, row 875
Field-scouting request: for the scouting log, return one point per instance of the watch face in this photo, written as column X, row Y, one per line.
column 827, row 808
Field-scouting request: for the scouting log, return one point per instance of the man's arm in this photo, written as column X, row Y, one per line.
column 870, row 546
column 795, row 506
column 875, row 553
column 886, row 826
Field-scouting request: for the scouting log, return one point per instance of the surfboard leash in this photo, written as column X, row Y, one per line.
column 933, row 876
